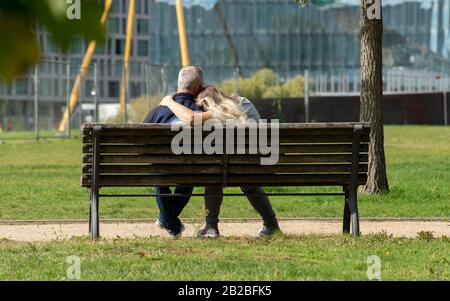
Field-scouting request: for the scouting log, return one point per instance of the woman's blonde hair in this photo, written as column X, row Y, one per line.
column 222, row 106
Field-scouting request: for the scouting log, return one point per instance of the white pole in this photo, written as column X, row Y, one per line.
column 445, row 90
column 95, row 93
column 147, row 88
column 36, row 101
column 68, row 97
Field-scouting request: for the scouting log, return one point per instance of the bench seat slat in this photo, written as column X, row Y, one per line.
column 218, row 159
column 217, row 169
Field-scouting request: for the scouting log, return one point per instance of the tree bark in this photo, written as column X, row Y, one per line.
column 372, row 97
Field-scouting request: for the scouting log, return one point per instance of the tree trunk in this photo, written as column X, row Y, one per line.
column 372, row 97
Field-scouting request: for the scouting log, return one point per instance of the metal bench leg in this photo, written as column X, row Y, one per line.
column 90, row 212
column 346, row 218
column 353, row 188
column 94, row 226
column 354, row 215
column 95, row 187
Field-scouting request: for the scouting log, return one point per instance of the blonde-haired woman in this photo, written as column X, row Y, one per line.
column 221, row 107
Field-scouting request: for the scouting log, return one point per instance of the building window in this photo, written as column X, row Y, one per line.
column 51, row 46
column 115, row 8
column 108, row 68
column 142, row 48
column 124, row 26
column 100, row 89
column 100, row 49
column 89, row 88
column 76, row 46
column 145, row 7
column 56, row 87
column 101, row 68
column 135, row 69
column 120, row 46
column 142, row 27
column 45, row 88
column 113, row 25
column 45, row 68
column 135, row 90
column 138, row 8
column 22, row 86
column 55, row 67
column 118, row 66
column 113, row 89
column 75, row 64
column 110, row 47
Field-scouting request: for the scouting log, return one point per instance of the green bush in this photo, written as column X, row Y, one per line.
column 265, row 84
column 138, row 109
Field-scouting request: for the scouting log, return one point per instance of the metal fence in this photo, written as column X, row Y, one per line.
column 396, row 81
column 32, row 106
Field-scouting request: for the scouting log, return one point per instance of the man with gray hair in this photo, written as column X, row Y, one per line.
column 190, row 80
column 190, row 83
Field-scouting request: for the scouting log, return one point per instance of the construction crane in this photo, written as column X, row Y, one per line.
column 185, row 61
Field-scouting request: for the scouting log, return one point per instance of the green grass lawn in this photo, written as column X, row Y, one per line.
column 40, row 180
column 31, row 135
column 288, row 258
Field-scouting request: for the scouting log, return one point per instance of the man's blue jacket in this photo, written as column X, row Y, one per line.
column 162, row 114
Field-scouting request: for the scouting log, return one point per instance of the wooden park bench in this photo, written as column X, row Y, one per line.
column 321, row 154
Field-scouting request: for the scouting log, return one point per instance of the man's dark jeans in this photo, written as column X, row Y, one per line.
column 170, row 207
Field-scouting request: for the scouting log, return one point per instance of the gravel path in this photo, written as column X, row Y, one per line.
column 46, row 231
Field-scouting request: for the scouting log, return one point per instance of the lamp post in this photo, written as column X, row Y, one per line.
column 94, row 94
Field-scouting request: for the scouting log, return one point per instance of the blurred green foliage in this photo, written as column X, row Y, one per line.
column 138, row 109
column 265, row 84
column 19, row 20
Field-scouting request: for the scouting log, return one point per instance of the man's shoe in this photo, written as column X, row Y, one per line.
column 171, row 232
column 268, row 231
column 209, row 232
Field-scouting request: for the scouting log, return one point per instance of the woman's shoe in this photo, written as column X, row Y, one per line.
column 209, row 232
column 267, row 231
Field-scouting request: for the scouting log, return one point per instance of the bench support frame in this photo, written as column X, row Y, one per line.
column 351, row 214
column 94, row 225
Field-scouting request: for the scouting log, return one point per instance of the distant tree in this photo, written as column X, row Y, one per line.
column 19, row 20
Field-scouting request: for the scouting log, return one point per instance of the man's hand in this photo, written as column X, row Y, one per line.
column 165, row 102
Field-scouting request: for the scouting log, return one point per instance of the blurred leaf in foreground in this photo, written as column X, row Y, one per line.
column 20, row 18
